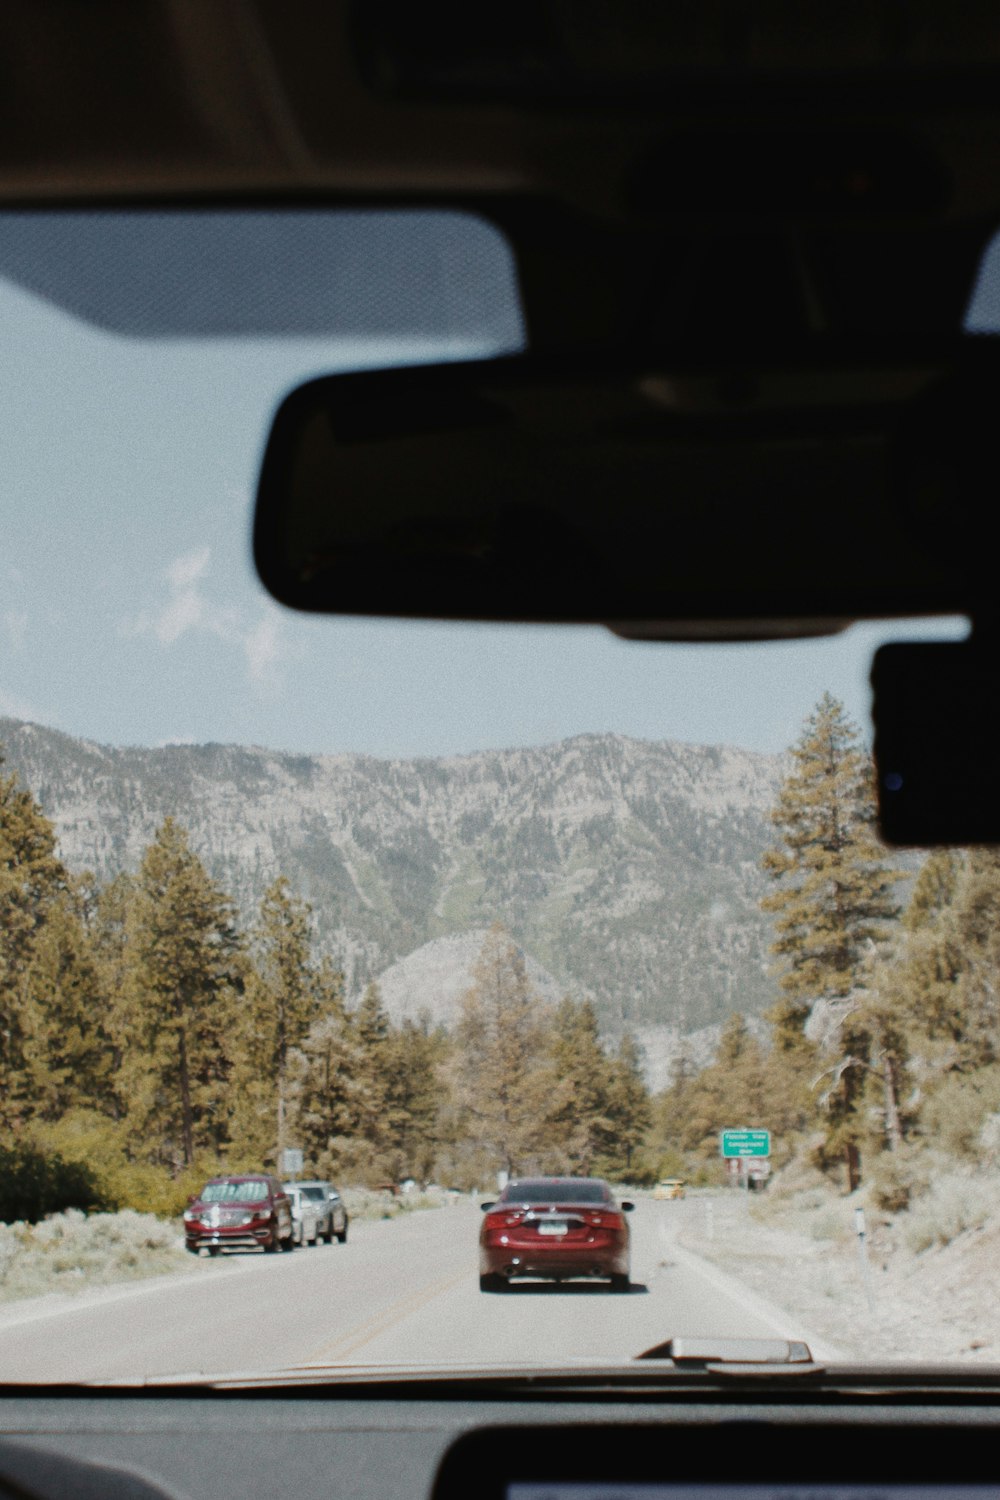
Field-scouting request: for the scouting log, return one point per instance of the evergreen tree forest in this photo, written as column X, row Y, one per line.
column 149, row 1038
column 147, row 1041
column 882, row 1058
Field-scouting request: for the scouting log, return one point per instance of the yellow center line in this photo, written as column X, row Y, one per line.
column 362, row 1333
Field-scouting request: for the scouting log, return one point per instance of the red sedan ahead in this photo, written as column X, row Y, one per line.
column 556, row 1228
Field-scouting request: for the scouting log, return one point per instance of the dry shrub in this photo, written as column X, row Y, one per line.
column 371, row 1203
column 73, row 1250
column 950, row 1205
column 958, row 1109
column 894, row 1180
column 100, row 1146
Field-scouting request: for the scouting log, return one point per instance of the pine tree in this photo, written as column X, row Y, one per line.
column 414, row 1061
column 110, row 916
column 942, row 985
column 32, row 883
column 500, row 1077
column 578, row 1121
column 324, row 1085
column 375, row 1061
column 910, row 1010
column 185, row 974
column 976, row 910
column 731, row 1092
column 915, row 989
column 628, row 1106
column 67, row 1048
column 278, row 1006
column 833, row 905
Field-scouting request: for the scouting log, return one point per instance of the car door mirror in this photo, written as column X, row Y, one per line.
column 487, row 1206
column 627, row 1207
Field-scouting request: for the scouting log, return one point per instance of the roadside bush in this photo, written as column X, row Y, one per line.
column 893, row 1181
column 369, row 1203
column 86, row 1139
column 955, row 1112
column 71, row 1251
column 644, row 1172
column 950, row 1206
column 35, row 1183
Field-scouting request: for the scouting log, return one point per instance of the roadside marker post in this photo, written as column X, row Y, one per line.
column 866, row 1270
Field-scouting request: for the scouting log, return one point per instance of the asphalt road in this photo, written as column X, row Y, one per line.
column 402, row 1291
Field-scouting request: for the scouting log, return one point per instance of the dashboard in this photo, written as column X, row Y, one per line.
column 142, row 1445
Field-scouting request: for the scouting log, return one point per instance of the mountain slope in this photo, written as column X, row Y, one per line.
column 629, row 870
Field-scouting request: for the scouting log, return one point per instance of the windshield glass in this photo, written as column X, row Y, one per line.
column 426, row 907
column 234, row 1192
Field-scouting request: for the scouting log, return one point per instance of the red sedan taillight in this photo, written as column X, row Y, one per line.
column 504, row 1219
column 606, row 1220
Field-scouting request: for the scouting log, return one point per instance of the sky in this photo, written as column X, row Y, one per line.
column 130, row 612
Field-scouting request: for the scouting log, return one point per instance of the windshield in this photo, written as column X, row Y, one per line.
column 234, row 1192
column 429, row 909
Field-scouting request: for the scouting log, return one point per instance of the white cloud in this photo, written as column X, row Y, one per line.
column 185, row 571
column 184, row 612
column 263, row 647
column 188, row 608
column 16, row 625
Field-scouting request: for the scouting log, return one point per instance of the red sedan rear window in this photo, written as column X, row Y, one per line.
column 556, row 1190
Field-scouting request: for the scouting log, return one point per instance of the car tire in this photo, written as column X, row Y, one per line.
column 620, row 1283
column 288, row 1244
column 491, row 1282
column 342, row 1234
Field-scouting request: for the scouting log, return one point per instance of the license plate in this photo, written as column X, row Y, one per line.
column 553, row 1228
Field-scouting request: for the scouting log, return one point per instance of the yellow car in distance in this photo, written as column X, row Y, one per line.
column 670, row 1187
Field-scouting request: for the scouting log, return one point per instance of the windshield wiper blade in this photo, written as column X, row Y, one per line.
column 736, row 1355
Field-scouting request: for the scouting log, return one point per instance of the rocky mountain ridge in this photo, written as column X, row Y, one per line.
column 628, row 870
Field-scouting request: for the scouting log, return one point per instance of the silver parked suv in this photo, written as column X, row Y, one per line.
column 318, row 1212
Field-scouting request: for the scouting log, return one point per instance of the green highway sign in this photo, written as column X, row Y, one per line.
column 745, row 1142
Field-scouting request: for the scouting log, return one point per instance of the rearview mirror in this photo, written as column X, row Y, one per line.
column 527, row 488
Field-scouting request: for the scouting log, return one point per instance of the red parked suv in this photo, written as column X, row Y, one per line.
column 556, row 1228
column 239, row 1213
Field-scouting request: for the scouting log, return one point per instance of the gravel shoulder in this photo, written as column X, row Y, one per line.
column 802, row 1253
